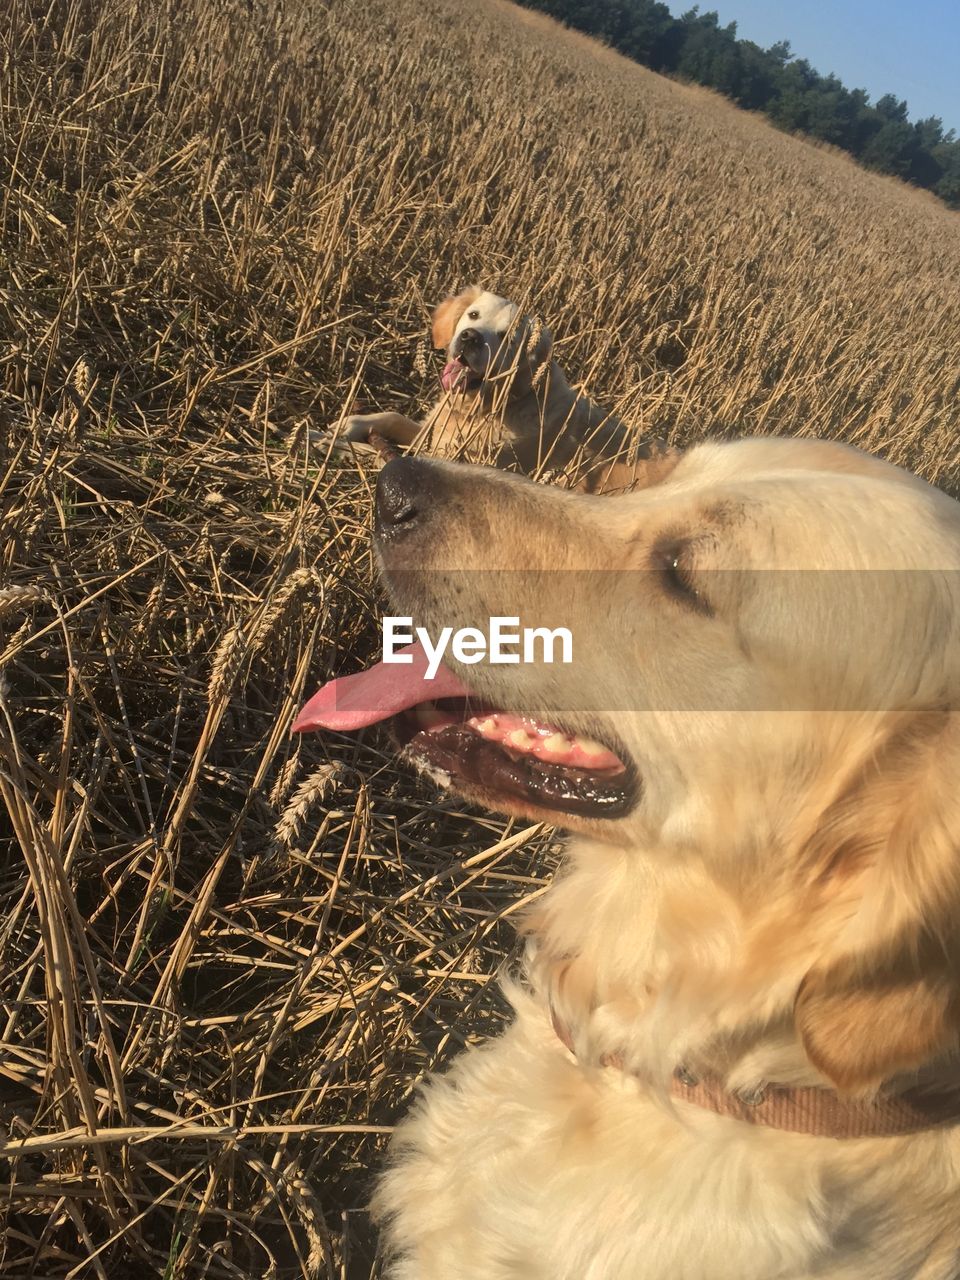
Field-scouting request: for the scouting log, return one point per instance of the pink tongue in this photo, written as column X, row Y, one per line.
column 353, row 702
column 453, row 371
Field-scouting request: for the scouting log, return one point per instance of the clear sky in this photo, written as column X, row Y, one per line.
column 910, row 49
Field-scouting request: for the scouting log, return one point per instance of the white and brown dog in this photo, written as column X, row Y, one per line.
column 736, row 1048
column 505, row 399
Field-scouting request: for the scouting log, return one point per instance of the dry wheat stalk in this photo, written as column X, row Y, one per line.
column 320, row 784
column 185, row 260
column 17, row 598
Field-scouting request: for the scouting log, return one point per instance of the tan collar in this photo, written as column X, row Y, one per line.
column 822, row 1113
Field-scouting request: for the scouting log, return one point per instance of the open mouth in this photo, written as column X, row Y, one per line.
column 506, row 758
column 459, row 377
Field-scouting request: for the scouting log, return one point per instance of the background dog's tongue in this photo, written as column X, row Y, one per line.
column 353, row 702
column 453, row 370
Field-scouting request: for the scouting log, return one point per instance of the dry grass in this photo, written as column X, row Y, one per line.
column 226, row 957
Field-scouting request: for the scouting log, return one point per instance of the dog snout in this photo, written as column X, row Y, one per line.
column 406, row 489
column 469, row 339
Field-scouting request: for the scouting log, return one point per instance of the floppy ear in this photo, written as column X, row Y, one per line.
column 539, row 345
column 860, row 1028
column 892, row 1004
column 653, row 463
column 448, row 313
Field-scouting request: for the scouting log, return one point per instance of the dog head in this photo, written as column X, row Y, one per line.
column 765, row 683
column 490, row 346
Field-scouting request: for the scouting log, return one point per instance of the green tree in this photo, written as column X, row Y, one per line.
column 947, row 155
column 929, row 132
column 892, row 149
column 892, row 108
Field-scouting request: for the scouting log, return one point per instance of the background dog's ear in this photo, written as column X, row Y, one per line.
column 866, row 1015
column 539, row 345
column 448, row 313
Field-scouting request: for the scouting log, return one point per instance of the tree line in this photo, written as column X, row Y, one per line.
column 795, row 96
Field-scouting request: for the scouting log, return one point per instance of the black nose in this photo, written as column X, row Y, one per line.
column 405, row 489
column 469, row 338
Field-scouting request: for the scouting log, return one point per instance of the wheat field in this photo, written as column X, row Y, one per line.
column 227, row 956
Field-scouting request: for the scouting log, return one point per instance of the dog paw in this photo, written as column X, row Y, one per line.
column 352, row 431
column 356, row 429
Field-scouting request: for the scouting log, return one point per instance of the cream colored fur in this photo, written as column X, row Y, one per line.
column 783, row 904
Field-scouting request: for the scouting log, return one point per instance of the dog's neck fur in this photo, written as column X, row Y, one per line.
column 815, row 945
column 669, row 980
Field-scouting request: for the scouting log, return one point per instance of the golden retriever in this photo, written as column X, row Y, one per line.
column 504, row 396
column 735, row 1050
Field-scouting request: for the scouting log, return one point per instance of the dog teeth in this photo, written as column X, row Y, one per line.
column 585, row 753
column 544, row 742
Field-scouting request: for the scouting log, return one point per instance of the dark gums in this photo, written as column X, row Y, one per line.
column 472, row 759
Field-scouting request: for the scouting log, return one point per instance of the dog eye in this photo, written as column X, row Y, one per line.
column 672, row 561
column 678, row 575
column 473, row 315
